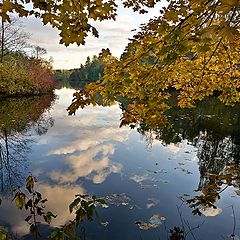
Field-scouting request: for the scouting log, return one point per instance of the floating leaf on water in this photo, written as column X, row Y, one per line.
column 210, row 212
column 139, row 178
column 120, row 200
column 152, row 203
column 183, row 170
column 162, row 181
column 145, row 226
column 154, row 222
column 158, row 171
column 181, row 164
column 157, row 219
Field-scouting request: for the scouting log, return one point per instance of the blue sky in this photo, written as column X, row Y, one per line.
column 113, row 35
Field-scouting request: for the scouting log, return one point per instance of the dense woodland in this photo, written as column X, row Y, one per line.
column 91, row 71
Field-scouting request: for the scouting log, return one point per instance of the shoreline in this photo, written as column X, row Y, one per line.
column 17, row 95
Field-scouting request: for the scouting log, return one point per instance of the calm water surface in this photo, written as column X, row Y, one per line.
column 141, row 176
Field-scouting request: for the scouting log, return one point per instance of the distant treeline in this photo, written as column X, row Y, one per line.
column 91, row 71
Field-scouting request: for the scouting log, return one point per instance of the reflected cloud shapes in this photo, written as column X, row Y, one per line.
column 93, row 161
column 59, row 197
column 89, row 142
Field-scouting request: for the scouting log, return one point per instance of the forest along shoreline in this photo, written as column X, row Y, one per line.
column 22, row 75
column 23, row 69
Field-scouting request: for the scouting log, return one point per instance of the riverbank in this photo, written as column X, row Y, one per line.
column 27, row 95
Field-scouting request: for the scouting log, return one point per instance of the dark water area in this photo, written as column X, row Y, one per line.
column 182, row 180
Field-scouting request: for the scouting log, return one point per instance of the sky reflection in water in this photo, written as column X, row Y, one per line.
column 89, row 153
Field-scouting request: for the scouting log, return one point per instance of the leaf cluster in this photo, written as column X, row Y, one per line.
column 33, row 202
column 191, row 49
column 70, row 17
column 84, row 207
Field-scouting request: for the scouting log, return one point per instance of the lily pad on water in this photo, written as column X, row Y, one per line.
column 154, row 222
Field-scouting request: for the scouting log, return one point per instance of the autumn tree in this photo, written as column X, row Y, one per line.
column 191, row 47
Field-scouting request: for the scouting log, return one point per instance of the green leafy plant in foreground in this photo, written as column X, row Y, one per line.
column 83, row 206
column 33, row 202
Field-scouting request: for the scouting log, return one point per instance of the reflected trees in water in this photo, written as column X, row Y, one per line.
column 14, row 147
column 211, row 127
column 19, row 116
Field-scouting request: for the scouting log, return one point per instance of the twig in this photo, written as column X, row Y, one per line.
column 234, row 221
column 181, row 219
column 198, row 226
column 190, row 230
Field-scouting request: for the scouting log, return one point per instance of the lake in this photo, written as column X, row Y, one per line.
column 179, row 182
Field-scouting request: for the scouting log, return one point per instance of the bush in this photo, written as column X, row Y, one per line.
column 22, row 75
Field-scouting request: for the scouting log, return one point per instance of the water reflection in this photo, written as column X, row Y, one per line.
column 13, row 150
column 215, row 132
column 193, row 163
column 88, row 145
column 17, row 119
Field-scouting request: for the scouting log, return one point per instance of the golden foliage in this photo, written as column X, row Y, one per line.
column 192, row 48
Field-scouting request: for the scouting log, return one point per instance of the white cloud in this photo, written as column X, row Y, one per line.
column 92, row 163
column 113, row 35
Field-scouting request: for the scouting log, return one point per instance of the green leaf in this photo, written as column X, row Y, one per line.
column 74, row 204
column 48, row 217
column 20, row 200
column 30, row 183
column 28, row 218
